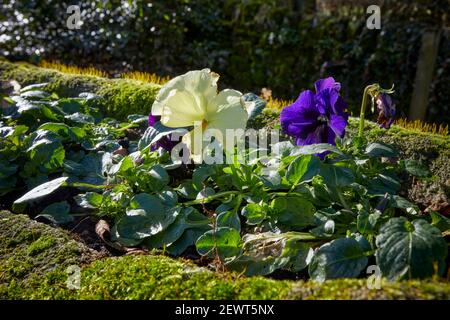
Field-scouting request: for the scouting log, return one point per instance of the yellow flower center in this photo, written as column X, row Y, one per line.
column 204, row 124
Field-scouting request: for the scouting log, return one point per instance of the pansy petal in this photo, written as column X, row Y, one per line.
column 180, row 110
column 338, row 124
column 330, row 136
column 306, row 102
column 340, row 106
column 224, row 98
column 300, row 115
column 201, row 84
column 326, row 99
column 312, row 137
column 300, row 127
column 194, row 142
column 229, row 116
column 153, row 119
column 327, row 83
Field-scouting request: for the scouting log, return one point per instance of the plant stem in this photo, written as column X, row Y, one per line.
column 129, row 126
column 363, row 110
column 210, row 198
column 88, row 185
column 342, row 199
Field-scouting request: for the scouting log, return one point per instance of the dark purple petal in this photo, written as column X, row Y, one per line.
column 386, row 110
column 330, row 136
column 340, row 106
column 301, row 116
column 166, row 143
column 326, row 99
column 338, row 124
column 153, row 119
column 316, row 118
column 327, row 83
column 306, row 102
column 318, row 135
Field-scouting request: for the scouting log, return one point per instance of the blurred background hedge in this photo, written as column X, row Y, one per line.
column 281, row 44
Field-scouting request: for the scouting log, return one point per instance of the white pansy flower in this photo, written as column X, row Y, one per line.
column 192, row 100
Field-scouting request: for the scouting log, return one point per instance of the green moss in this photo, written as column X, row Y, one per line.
column 160, row 277
column 40, row 245
column 356, row 289
column 28, row 248
column 121, row 97
column 43, row 275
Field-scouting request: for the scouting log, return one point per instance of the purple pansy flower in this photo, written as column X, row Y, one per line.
column 316, row 117
column 386, row 110
column 166, row 141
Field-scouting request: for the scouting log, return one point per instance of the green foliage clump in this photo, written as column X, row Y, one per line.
column 119, row 97
column 325, row 216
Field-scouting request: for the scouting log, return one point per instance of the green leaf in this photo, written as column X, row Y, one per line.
column 336, row 176
column 383, row 184
column 366, row 223
column 57, row 213
column 145, row 217
column 64, row 131
column 300, row 255
column 254, row 213
column 303, row 169
column 7, row 169
column 417, row 169
column 253, row 104
column 224, row 241
column 325, row 229
column 156, row 133
column 89, row 200
column 36, row 86
column 187, row 218
column 38, row 193
column 439, row 221
column 188, row 190
column 315, row 149
column 70, row 105
column 45, row 149
column 169, row 197
column 137, row 118
column 34, row 94
column 202, row 173
column 379, row 149
column 187, row 239
column 139, row 223
column 160, row 177
column 402, row 203
column 340, row 258
column 410, row 249
column 80, row 118
column 293, row 213
column 266, row 252
column 228, row 219
column 147, row 202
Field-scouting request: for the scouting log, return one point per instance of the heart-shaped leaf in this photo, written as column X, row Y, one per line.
column 379, row 149
column 340, row 258
column 224, row 241
column 303, row 169
column 410, row 249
